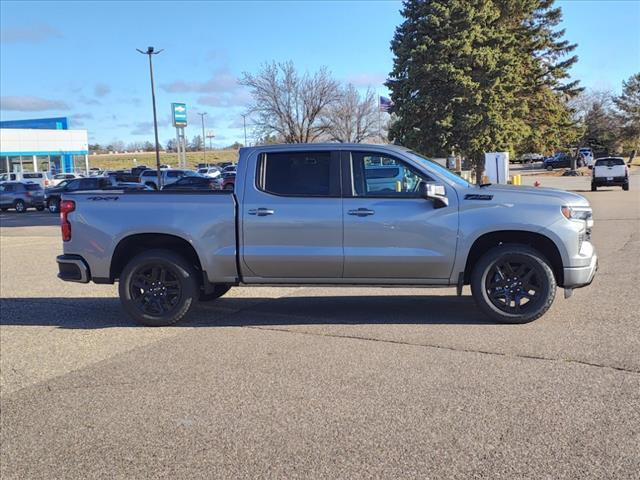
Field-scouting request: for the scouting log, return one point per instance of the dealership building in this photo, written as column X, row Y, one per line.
column 42, row 145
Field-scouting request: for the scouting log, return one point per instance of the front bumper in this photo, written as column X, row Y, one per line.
column 73, row 268
column 577, row 277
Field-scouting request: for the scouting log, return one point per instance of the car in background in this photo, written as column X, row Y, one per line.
column 52, row 196
column 168, row 176
column 228, row 181
column 229, row 169
column 211, row 172
column 559, row 160
column 41, row 178
column 59, row 177
column 609, row 172
column 21, row 196
column 528, row 158
column 192, row 183
column 586, row 155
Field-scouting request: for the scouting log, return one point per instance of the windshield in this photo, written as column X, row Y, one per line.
column 439, row 169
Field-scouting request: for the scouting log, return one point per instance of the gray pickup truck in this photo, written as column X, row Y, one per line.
column 331, row 214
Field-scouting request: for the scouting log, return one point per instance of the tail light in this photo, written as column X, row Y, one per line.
column 66, row 207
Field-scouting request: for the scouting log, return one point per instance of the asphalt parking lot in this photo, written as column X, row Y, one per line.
column 321, row 382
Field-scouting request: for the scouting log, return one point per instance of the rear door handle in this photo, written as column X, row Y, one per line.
column 361, row 212
column 261, row 212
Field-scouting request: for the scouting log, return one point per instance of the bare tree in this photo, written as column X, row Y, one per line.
column 290, row 105
column 353, row 118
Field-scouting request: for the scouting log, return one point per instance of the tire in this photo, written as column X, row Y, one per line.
column 152, row 185
column 229, row 186
column 218, row 291
column 53, row 205
column 594, row 188
column 20, row 206
column 496, row 302
column 174, row 284
column 549, row 168
column 625, row 187
column 40, row 208
column 4, row 209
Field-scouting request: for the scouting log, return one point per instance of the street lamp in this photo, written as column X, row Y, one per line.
column 204, row 144
column 244, row 123
column 150, row 51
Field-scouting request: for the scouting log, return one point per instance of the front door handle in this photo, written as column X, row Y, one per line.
column 361, row 212
column 261, row 212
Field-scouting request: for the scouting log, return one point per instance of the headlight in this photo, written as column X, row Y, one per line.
column 579, row 213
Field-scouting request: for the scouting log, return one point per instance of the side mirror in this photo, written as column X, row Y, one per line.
column 434, row 192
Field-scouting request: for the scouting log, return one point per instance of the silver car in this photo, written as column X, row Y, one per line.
column 21, row 196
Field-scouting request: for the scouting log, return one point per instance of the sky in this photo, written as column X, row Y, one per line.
column 79, row 59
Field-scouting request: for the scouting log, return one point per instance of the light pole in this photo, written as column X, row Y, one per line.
column 210, row 136
column 150, row 51
column 204, row 142
column 244, row 123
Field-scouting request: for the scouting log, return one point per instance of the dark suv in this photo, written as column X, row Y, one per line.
column 53, row 195
column 21, row 195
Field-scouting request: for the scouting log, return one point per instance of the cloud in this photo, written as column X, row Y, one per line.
column 101, row 90
column 80, row 116
column 142, row 128
column 238, row 98
column 88, row 101
column 221, row 81
column 239, row 123
column 361, row 80
column 28, row 103
column 31, row 34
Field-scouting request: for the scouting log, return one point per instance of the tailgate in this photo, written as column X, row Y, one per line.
column 612, row 171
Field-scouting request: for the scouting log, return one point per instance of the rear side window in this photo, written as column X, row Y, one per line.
column 609, row 162
column 32, row 175
column 301, row 174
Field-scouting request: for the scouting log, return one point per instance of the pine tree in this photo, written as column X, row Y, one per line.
column 480, row 75
column 628, row 104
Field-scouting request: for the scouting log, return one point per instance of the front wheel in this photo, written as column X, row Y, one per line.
column 158, row 288
column 513, row 284
column 53, row 205
column 594, row 188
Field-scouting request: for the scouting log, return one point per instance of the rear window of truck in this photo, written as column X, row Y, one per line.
column 609, row 162
column 305, row 174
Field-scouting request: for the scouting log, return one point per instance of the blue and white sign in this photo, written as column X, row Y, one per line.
column 179, row 114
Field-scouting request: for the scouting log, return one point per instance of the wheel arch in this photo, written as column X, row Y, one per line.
column 537, row 241
column 132, row 245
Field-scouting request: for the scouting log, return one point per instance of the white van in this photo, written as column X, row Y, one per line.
column 41, row 178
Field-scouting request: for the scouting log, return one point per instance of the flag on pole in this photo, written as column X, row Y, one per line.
column 385, row 104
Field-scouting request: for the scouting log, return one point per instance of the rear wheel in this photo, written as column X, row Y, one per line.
column 152, row 185
column 229, row 186
column 218, row 291
column 4, row 209
column 513, row 284
column 40, row 208
column 594, row 187
column 158, row 288
column 625, row 186
column 20, row 206
column 549, row 168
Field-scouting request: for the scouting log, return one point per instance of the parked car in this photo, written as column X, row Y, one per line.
column 21, row 196
column 228, row 181
column 586, row 156
column 41, row 178
column 211, row 172
column 302, row 214
column 609, row 172
column 559, row 160
column 528, row 158
column 59, row 177
column 230, row 168
column 192, row 183
column 168, row 176
column 52, row 196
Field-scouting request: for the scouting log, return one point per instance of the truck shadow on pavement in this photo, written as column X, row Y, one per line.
column 105, row 312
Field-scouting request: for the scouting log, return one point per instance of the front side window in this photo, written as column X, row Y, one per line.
column 376, row 175
column 302, row 174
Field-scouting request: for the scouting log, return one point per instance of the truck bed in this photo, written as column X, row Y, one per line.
column 206, row 220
